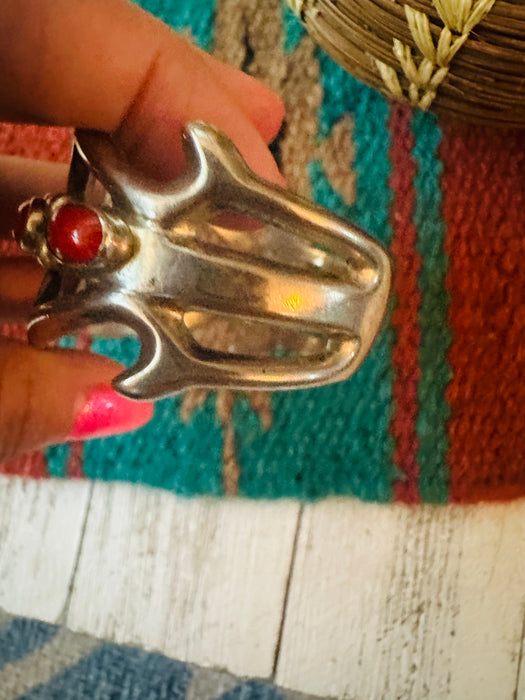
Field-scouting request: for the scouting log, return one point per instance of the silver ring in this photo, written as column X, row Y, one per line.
column 287, row 296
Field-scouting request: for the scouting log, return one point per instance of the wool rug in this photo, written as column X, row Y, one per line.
column 435, row 413
column 40, row 661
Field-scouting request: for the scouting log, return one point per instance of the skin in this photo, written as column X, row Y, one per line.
column 127, row 74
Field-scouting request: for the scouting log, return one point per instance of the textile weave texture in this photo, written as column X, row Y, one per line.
column 40, row 661
column 435, row 413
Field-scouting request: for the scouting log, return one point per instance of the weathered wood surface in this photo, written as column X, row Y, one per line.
column 401, row 603
column 203, row 580
column 338, row 598
column 40, row 530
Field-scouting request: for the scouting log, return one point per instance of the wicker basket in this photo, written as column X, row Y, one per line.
column 466, row 58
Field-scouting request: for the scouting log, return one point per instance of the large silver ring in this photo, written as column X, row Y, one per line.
column 301, row 293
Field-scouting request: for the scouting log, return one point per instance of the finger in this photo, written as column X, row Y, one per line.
column 263, row 107
column 22, row 178
column 20, row 280
column 53, row 396
column 120, row 70
column 158, row 150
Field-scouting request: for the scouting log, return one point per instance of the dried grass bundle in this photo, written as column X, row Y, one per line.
column 462, row 57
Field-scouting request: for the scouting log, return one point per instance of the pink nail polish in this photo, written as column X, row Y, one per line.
column 107, row 413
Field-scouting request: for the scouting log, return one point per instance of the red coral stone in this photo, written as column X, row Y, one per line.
column 75, row 234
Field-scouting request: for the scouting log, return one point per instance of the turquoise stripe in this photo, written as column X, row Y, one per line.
column 334, row 439
column 57, row 458
column 167, row 452
column 436, row 336
column 322, row 191
column 294, row 29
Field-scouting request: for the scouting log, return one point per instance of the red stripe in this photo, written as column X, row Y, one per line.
column 76, row 460
column 32, row 466
column 484, row 206
column 42, row 143
column 407, row 264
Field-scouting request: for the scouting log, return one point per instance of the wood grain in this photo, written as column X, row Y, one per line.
column 40, row 531
column 383, row 601
column 202, row 580
column 389, row 602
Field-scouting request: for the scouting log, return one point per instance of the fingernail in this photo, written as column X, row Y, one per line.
column 105, row 413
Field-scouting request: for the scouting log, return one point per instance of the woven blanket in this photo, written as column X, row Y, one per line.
column 436, row 411
column 39, row 661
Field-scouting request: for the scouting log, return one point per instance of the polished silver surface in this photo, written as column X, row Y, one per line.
column 226, row 279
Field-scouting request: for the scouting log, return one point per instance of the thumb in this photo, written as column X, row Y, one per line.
column 109, row 66
column 59, row 395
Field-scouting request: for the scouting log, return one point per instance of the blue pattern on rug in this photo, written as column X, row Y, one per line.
column 252, row 690
column 117, row 672
column 106, row 671
column 22, row 636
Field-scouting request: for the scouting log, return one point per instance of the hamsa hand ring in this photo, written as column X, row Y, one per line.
column 227, row 280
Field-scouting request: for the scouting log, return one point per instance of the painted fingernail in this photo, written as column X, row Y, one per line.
column 106, row 413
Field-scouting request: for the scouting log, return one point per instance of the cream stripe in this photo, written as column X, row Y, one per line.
column 64, row 650
column 337, row 154
column 4, row 617
column 206, row 683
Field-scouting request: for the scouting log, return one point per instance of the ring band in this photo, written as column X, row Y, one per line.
column 306, row 288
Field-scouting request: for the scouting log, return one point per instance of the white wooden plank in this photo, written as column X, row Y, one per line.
column 520, row 676
column 391, row 602
column 40, row 529
column 491, row 588
column 202, row 580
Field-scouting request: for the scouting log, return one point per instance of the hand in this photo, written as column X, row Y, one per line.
column 109, row 66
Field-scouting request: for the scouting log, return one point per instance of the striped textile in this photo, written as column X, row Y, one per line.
column 435, row 412
column 39, row 661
